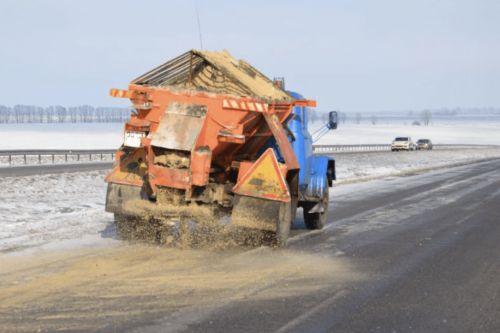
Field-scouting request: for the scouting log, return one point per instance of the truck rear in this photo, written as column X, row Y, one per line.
column 207, row 141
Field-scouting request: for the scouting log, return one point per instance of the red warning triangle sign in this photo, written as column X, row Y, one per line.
column 264, row 179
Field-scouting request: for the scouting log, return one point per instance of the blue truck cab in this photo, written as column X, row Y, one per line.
column 317, row 172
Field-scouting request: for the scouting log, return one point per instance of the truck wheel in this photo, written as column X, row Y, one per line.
column 293, row 208
column 314, row 221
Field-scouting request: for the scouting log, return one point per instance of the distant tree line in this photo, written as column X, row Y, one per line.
column 466, row 111
column 422, row 117
column 20, row 114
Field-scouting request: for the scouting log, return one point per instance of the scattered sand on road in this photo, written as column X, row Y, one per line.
column 113, row 288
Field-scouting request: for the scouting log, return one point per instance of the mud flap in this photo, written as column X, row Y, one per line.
column 271, row 217
column 118, row 195
column 129, row 169
column 255, row 213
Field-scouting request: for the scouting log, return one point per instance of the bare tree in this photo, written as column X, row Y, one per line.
column 426, row 117
column 18, row 114
column 41, row 114
column 83, row 113
column 313, row 116
column 358, row 118
column 61, row 113
column 73, row 116
column 5, row 113
column 343, row 117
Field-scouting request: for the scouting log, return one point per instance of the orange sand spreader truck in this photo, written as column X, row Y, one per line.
column 208, row 141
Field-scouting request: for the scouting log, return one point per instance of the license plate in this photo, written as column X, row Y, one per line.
column 133, row 139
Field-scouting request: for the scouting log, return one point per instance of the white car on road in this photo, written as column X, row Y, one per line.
column 402, row 143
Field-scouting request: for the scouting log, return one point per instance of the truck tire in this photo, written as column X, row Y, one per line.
column 315, row 221
column 293, row 209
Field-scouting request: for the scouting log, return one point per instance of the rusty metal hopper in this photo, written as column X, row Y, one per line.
column 207, row 131
column 210, row 111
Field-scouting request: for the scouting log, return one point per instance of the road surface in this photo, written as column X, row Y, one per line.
column 401, row 254
column 28, row 170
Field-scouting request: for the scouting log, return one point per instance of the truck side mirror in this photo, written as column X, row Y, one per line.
column 332, row 120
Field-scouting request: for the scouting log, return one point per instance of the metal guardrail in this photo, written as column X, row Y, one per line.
column 349, row 148
column 463, row 146
column 27, row 155
column 75, row 155
column 324, row 149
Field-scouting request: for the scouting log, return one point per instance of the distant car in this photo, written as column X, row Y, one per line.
column 402, row 143
column 424, row 144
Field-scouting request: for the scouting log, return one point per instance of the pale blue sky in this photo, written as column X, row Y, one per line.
column 349, row 55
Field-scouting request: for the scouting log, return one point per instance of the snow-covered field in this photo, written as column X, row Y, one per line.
column 462, row 130
column 68, row 209
column 445, row 133
column 61, row 136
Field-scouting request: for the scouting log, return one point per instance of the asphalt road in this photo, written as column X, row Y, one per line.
column 29, row 170
column 402, row 254
column 427, row 249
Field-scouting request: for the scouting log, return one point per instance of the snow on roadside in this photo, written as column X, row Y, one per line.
column 359, row 166
column 36, row 210
column 61, row 136
column 68, row 208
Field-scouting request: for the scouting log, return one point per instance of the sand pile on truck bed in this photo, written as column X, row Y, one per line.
column 214, row 72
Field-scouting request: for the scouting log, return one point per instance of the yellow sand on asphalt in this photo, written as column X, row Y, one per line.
column 93, row 289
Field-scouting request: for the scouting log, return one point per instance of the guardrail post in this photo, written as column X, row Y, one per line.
column 10, row 159
column 90, row 157
column 52, row 158
column 78, row 157
column 24, row 158
column 65, row 157
column 39, row 159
